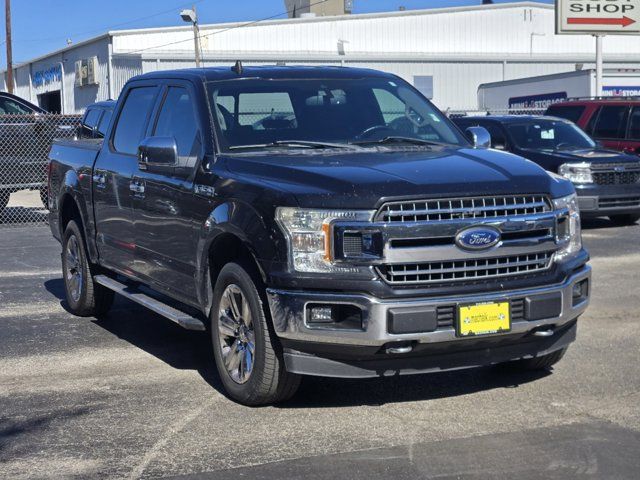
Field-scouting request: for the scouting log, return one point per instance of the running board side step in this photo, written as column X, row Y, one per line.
column 181, row 318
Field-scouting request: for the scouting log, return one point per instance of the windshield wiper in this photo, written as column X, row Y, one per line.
column 295, row 144
column 400, row 139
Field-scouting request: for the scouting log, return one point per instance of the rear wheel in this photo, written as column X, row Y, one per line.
column 85, row 297
column 248, row 357
column 628, row 219
column 543, row 362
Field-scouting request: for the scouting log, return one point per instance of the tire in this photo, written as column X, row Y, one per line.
column 628, row 219
column 544, row 362
column 247, row 354
column 4, row 200
column 85, row 298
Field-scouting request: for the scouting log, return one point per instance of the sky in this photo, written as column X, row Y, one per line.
column 42, row 26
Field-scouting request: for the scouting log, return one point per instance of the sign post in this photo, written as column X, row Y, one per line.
column 598, row 18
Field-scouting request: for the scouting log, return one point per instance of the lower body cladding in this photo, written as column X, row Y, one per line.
column 603, row 200
column 359, row 336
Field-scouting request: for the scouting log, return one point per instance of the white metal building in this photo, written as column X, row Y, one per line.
column 447, row 53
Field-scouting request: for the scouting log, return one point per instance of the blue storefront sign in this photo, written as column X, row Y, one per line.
column 539, row 101
column 627, row 91
column 44, row 77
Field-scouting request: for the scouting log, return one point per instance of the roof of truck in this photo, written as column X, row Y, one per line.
column 268, row 72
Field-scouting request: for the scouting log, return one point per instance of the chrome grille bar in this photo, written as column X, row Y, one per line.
column 461, row 208
column 465, row 270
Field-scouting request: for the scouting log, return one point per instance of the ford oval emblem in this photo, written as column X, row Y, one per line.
column 477, row 238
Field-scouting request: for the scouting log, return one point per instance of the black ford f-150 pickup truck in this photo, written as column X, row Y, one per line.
column 318, row 221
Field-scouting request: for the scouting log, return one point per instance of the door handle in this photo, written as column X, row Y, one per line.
column 100, row 179
column 137, row 187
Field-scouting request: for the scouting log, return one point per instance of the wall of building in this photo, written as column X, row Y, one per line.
column 454, row 49
column 57, row 73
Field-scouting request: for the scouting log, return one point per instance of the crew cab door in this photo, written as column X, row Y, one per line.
column 113, row 176
column 167, row 214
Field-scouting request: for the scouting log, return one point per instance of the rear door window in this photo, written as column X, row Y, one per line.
column 634, row 124
column 132, row 121
column 611, row 122
column 569, row 112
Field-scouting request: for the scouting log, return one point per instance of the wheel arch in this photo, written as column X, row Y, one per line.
column 233, row 231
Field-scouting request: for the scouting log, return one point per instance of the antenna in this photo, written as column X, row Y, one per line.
column 237, row 68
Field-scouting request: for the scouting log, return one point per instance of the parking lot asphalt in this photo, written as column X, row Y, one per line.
column 135, row 396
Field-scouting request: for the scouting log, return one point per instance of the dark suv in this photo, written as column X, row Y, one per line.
column 607, row 182
column 614, row 122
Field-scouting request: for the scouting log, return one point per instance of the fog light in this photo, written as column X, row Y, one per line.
column 334, row 317
column 321, row 315
column 580, row 292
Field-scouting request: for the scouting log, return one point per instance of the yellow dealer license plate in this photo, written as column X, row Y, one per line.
column 483, row 318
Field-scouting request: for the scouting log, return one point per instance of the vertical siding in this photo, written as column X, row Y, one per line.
column 123, row 70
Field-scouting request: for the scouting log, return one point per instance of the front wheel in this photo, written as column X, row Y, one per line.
column 628, row 219
column 247, row 356
column 85, row 297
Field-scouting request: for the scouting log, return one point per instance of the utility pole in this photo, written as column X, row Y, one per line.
column 7, row 16
column 599, row 65
column 190, row 16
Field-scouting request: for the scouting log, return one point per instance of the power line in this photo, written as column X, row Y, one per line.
column 129, row 22
column 200, row 37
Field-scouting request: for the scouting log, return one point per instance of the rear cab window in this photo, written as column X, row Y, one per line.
column 611, row 122
column 90, row 122
column 103, row 126
column 568, row 112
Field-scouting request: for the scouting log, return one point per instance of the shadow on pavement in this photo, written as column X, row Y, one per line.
column 185, row 349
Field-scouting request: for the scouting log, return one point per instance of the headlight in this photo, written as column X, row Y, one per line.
column 309, row 234
column 569, row 232
column 576, row 172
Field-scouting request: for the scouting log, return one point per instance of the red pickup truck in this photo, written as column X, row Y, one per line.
column 614, row 122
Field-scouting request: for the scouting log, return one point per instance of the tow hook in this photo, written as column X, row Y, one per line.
column 399, row 349
column 543, row 333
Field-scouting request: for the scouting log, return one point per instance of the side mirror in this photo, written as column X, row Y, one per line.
column 479, row 137
column 157, row 154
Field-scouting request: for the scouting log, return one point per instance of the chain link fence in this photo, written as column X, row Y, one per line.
column 25, row 141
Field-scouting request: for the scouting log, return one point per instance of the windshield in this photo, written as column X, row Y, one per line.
column 549, row 135
column 337, row 112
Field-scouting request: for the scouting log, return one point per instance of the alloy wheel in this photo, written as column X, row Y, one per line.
column 73, row 270
column 236, row 334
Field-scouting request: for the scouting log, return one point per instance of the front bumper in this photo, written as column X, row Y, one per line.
column 599, row 200
column 309, row 348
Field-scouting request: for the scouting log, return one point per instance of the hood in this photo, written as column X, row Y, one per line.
column 551, row 160
column 366, row 179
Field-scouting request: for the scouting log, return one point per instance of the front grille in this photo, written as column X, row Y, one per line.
column 619, row 202
column 465, row 270
column 616, row 173
column 616, row 178
column 461, row 208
